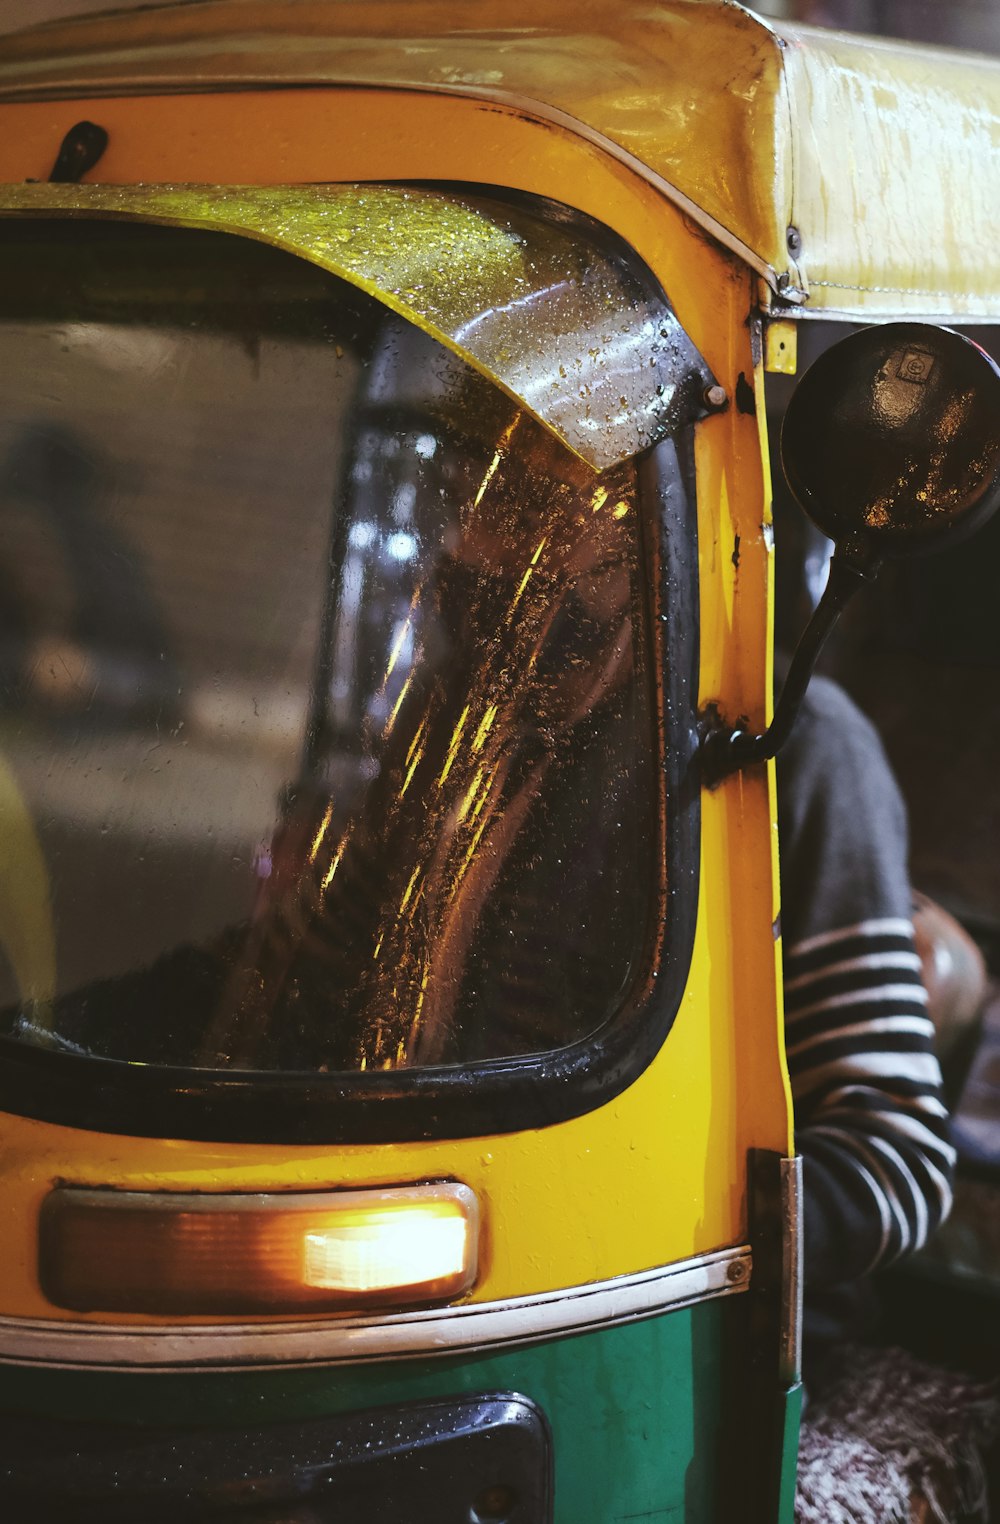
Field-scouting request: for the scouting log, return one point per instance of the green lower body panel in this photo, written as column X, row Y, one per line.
column 790, row 1422
column 644, row 1416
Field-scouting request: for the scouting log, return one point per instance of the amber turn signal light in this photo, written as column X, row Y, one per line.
column 169, row 1253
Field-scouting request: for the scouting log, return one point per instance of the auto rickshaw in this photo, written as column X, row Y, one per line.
column 396, row 1122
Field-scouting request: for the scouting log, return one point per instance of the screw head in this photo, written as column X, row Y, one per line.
column 715, row 397
column 793, row 240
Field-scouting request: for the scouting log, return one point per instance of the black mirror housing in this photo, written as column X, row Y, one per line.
column 891, row 442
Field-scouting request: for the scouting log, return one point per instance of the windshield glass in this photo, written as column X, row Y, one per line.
column 326, row 741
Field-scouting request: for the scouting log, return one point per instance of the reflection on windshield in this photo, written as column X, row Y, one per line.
column 321, row 686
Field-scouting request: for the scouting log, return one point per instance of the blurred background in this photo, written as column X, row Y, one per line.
column 961, row 23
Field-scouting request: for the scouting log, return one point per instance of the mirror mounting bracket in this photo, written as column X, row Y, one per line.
column 724, row 749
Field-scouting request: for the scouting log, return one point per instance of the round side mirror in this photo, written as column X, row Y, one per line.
column 891, row 442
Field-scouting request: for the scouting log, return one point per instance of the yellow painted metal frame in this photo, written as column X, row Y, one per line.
column 659, row 1173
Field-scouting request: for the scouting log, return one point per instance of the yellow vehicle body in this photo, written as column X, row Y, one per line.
column 768, row 176
column 718, row 1088
column 530, row 1183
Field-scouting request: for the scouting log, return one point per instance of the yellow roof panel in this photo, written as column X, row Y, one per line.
column 881, row 157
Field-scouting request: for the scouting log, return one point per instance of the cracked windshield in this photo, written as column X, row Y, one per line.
column 325, row 742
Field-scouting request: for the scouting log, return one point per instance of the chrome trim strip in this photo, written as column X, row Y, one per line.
column 792, row 1271
column 53, row 1344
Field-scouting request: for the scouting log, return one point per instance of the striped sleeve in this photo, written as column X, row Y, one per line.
column 870, row 1121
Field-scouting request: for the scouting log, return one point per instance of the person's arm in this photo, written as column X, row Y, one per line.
column 870, row 1120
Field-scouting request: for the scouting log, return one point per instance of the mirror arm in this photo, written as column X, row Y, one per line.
column 724, row 751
